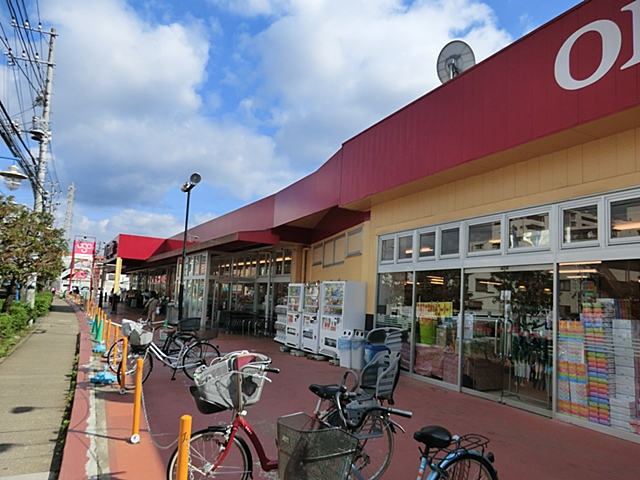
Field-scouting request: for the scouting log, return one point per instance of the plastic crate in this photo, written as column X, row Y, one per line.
column 309, row 450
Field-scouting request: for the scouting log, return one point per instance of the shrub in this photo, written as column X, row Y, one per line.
column 42, row 304
column 20, row 314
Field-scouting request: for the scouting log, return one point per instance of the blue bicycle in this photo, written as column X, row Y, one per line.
column 450, row 457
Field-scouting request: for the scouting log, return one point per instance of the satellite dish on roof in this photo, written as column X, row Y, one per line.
column 455, row 58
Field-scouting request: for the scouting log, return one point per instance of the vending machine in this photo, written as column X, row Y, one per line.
column 293, row 331
column 310, row 321
column 342, row 307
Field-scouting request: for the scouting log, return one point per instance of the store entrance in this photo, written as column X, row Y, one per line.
column 507, row 334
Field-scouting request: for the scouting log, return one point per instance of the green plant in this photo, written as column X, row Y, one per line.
column 42, row 304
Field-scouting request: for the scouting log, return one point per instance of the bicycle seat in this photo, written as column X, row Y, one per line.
column 433, row 436
column 328, row 392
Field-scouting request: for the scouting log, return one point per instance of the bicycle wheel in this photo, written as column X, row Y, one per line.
column 469, row 466
column 205, row 448
column 131, row 366
column 375, row 446
column 200, row 353
column 112, row 359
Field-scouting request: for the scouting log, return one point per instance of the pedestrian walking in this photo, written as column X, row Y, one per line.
column 152, row 306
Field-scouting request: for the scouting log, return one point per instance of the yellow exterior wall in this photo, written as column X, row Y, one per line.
column 599, row 166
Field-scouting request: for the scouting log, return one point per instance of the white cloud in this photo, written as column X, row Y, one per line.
column 336, row 67
column 129, row 117
column 128, row 221
column 134, row 111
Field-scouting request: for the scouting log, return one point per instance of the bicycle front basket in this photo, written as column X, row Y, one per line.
column 221, row 382
column 309, row 450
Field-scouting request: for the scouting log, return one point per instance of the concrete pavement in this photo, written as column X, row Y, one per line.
column 34, row 382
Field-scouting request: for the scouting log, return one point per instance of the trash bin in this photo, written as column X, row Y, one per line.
column 370, row 351
column 344, row 348
column 357, row 350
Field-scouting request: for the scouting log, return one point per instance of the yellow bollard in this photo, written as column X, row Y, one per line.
column 107, row 343
column 104, row 330
column 123, row 365
column 183, row 448
column 135, row 431
column 115, row 341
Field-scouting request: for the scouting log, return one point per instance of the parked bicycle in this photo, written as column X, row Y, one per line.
column 363, row 403
column 174, row 341
column 235, row 381
column 175, row 353
column 453, row 457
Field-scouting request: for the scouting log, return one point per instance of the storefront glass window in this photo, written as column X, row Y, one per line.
column 529, row 231
column 287, row 261
column 580, row 224
column 507, row 333
column 625, row 218
column 436, row 324
column 450, row 241
column 279, row 263
column 225, row 269
column 386, row 253
column 405, row 247
column 599, row 343
column 484, row 237
column 395, row 291
column 427, row 245
column 264, row 265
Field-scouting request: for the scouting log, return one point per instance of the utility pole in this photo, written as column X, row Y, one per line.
column 42, row 133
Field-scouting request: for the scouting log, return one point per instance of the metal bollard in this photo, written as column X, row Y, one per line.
column 183, row 448
column 135, row 431
column 123, row 365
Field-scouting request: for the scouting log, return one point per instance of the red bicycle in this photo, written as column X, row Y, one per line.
column 308, row 447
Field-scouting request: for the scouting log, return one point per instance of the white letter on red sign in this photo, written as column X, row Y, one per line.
column 611, row 42
column 634, row 8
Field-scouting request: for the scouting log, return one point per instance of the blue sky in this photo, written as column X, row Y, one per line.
column 252, row 94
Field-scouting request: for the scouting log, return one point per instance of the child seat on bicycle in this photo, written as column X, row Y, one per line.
column 230, row 382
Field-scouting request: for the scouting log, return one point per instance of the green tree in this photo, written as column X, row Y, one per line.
column 28, row 244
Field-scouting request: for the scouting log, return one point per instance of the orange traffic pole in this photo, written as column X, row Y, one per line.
column 135, row 431
column 116, row 332
column 107, row 343
column 123, row 364
column 183, row 448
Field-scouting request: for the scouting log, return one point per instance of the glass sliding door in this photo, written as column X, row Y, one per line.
column 508, row 333
column 395, row 308
column 436, row 348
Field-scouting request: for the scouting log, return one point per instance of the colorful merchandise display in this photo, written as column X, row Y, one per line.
column 598, row 374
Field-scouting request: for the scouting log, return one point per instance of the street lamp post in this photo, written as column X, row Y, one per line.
column 186, row 187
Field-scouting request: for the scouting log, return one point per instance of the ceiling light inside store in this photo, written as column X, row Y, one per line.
column 494, row 240
column 621, row 225
column 487, row 282
column 576, row 276
column 579, row 270
column 409, row 251
column 426, row 249
column 594, row 262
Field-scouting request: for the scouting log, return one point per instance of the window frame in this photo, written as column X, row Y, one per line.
column 572, row 205
column 609, row 200
column 427, row 231
column 484, row 221
column 524, row 214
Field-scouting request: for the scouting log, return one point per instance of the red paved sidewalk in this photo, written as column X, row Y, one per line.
column 525, row 445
